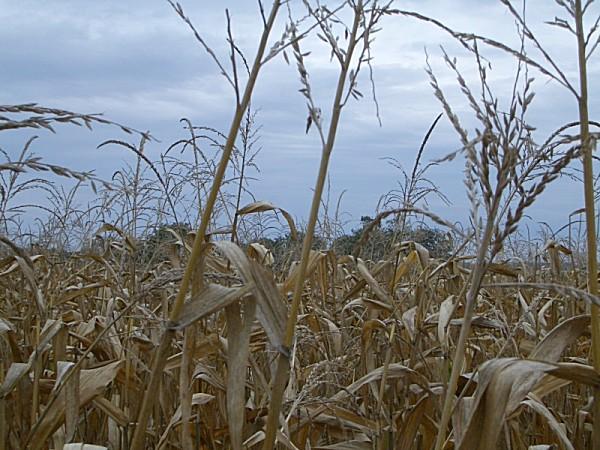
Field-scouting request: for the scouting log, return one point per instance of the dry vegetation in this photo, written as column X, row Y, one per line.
column 120, row 331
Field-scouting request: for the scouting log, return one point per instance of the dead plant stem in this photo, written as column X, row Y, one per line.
column 160, row 356
column 479, row 270
column 283, row 364
column 590, row 214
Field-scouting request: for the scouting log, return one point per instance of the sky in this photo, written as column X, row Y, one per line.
column 137, row 63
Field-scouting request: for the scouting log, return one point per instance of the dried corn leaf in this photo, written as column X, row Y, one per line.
column 547, row 385
column 6, row 326
column 408, row 320
column 562, row 336
column 393, row 371
column 404, row 267
column 127, row 239
column 445, row 314
column 259, row 436
column 503, row 269
column 334, row 334
column 313, row 259
column 368, row 303
column 260, row 253
column 411, row 424
column 15, row 265
column 238, row 340
column 16, row 371
column 211, row 299
column 349, row 418
column 179, row 240
column 73, row 292
column 335, row 422
column 208, row 345
column 579, row 373
column 26, row 267
column 92, row 383
column 263, row 206
column 460, row 417
column 272, row 313
column 502, row 384
column 199, row 398
column 372, row 282
column 554, row 425
column 479, row 322
column 71, row 392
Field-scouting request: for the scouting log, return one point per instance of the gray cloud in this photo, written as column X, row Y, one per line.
column 138, row 63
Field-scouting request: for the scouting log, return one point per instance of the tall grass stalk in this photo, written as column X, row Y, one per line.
column 475, row 281
column 283, row 364
column 590, row 210
column 551, row 69
column 195, row 262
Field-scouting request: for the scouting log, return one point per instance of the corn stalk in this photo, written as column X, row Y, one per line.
column 590, row 213
column 283, row 364
column 196, row 257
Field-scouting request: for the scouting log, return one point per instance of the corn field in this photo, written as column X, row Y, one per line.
column 163, row 316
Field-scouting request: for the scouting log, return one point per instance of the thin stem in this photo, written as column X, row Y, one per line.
column 283, row 363
column 465, row 330
column 246, row 140
column 590, row 214
column 160, row 357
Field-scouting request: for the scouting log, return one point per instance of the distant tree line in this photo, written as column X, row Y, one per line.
column 285, row 249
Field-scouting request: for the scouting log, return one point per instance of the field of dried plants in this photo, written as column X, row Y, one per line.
column 166, row 316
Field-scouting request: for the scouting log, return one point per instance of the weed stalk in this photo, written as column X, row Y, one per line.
column 283, row 363
column 160, row 357
column 590, row 214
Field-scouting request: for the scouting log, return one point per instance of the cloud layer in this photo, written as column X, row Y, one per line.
column 138, row 63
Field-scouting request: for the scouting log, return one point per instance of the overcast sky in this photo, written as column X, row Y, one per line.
column 137, row 63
